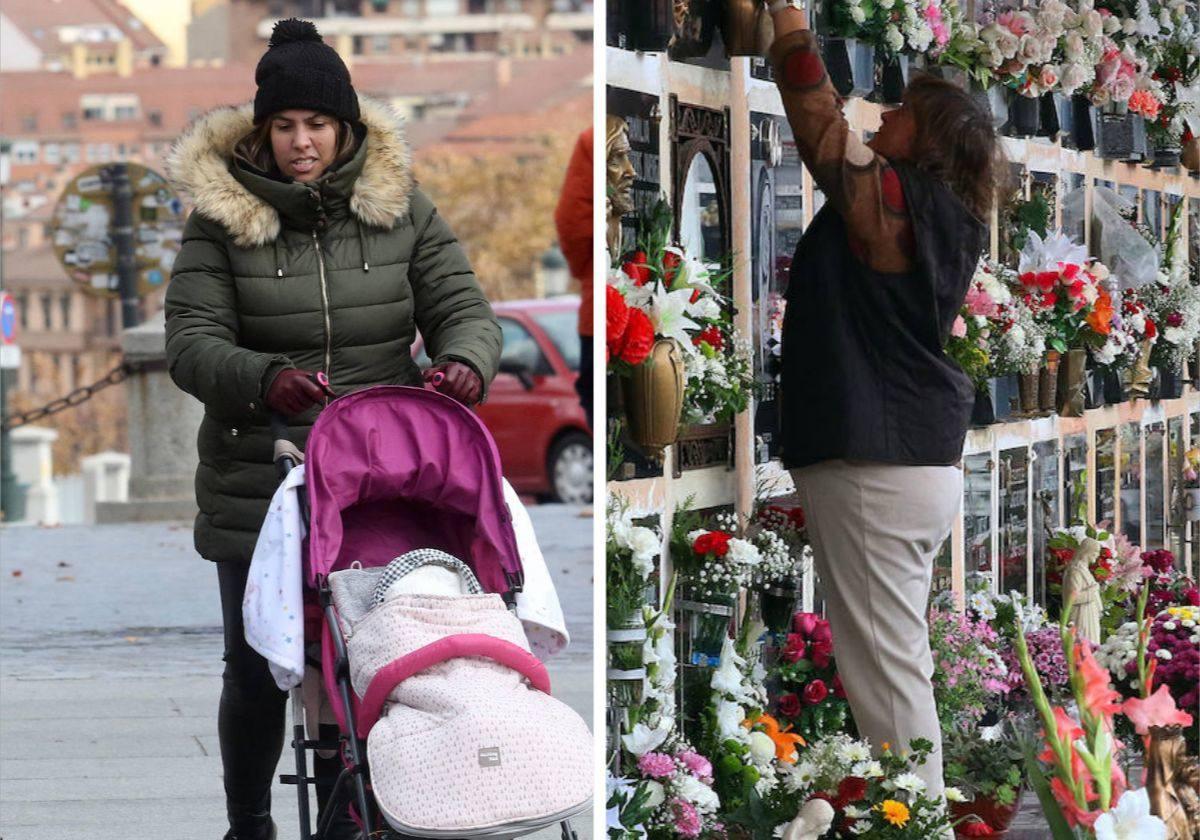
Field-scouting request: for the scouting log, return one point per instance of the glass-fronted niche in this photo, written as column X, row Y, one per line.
column 1126, row 477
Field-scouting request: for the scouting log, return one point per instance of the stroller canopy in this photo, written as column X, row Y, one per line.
column 392, row 469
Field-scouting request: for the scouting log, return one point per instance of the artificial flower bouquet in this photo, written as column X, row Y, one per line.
column 876, row 797
column 894, row 26
column 1131, row 327
column 808, row 693
column 1016, row 341
column 969, row 674
column 779, row 534
column 1065, row 290
column 1174, row 301
column 630, row 552
column 669, row 795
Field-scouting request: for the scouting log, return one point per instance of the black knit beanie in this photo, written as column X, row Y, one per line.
column 299, row 70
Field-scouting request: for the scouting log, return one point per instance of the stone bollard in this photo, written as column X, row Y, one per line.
column 162, row 435
column 33, row 463
column 105, row 479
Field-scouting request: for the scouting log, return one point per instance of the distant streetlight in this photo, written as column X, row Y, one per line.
column 556, row 276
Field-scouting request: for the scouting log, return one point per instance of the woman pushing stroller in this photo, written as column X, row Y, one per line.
column 310, row 251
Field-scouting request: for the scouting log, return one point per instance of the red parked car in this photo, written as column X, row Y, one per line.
column 532, row 409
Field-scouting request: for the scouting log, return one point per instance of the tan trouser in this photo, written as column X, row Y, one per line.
column 875, row 529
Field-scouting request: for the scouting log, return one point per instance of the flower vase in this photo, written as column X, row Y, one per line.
column 1023, row 115
column 746, row 28
column 850, row 63
column 893, row 79
column 1048, row 383
column 1114, row 387
column 1071, row 382
column 1027, row 389
column 1170, row 383
column 1005, row 397
column 1166, row 157
column 1095, row 387
column 1085, row 123
column 1190, row 155
column 650, row 24
column 1049, row 121
column 707, row 622
column 776, row 606
column 1116, row 140
column 998, row 817
column 982, row 413
column 1193, row 365
column 995, row 100
column 626, row 660
column 1191, row 504
column 654, row 398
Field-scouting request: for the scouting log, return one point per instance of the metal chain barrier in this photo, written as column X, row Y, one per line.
column 80, row 395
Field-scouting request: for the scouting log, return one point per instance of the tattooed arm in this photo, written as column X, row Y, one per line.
column 861, row 184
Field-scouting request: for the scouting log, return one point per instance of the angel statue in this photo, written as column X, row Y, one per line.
column 814, row 819
column 1172, row 777
column 1082, row 592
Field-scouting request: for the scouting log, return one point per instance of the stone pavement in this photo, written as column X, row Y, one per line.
column 110, row 662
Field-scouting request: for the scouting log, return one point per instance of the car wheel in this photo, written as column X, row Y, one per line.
column 571, row 467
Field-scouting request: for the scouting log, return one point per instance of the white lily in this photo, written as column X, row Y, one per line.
column 643, row 739
column 729, row 721
column 667, row 313
column 1046, row 254
column 727, row 679
column 1131, row 820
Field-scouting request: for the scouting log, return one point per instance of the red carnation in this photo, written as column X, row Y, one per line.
column 815, row 692
column 1151, row 329
column 637, row 269
column 617, row 316
column 789, row 705
column 1046, row 280
column 710, row 336
column 712, row 542
column 1028, row 279
column 1175, row 319
column 852, row 789
column 695, row 295
column 639, row 338
column 975, row 829
column 1049, row 300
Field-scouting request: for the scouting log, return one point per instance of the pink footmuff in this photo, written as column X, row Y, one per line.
column 468, row 741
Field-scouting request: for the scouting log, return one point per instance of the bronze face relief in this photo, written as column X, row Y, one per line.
column 620, row 174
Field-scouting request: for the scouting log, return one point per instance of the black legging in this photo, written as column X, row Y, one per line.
column 250, row 721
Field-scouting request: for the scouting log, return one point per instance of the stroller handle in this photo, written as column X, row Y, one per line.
column 287, row 455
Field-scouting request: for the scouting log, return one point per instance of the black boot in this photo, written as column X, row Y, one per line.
column 326, row 771
column 259, row 829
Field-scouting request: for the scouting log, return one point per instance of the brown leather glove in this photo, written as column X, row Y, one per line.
column 461, row 382
column 293, row 391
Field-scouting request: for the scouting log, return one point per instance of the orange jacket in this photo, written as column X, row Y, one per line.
column 573, row 218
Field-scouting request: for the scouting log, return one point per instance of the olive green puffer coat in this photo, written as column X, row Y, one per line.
column 335, row 275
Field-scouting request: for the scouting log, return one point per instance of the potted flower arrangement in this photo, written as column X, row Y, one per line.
column 849, row 47
column 1016, row 347
column 1001, row 322
column 1174, row 55
column 1132, row 328
column 1174, row 304
column 720, row 379
column 987, row 765
column 779, row 535
column 713, row 565
column 969, row 673
column 809, row 696
column 630, row 553
column 967, row 346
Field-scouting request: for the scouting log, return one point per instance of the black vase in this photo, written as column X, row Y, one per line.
column 1005, row 394
column 1024, row 115
column 1085, row 121
column 1165, row 158
column 1049, row 124
column 1170, row 383
column 649, row 24
column 893, row 79
column 1114, row 388
column 982, row 413
column 1095, row 387
column 851, row 65
column 1116, row 140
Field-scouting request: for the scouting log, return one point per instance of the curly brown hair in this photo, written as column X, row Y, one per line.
column 955, row 141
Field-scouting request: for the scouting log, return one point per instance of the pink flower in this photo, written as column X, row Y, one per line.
column 979, row 302
column 1049, row 76
column 699, row 766
column 959, row 330
column 805, row 623
column 1158, row 710
column 1014, row 23
column 687, row 821
column 656, row 765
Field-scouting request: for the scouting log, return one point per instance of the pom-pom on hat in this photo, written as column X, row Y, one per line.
column 299, row 70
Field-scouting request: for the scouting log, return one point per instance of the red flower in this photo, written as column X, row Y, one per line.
column 851, row 789
column 815, row 692
column 804, row 623
column 1046, row 280
column 1151, row 329
column 1028, row 279
column 1070, row 271
column 710, row 336
column 617, row 316
column 822, row 653
column 1174, row 319
column 795, row 648
column 796, row 514
column 671, row 261
column 838, row 689
column 789, row 705
column 975, row 829
column 637, row 269
column 713, row 542
column 1049, row 300
column 639, row 338
column 695, row 295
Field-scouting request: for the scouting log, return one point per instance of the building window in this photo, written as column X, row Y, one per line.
column 125, row 112
column 379, row 5
column 70, row 152
column 64, row 304
column 69, row 119
column 93, row 112
column 23, row 310
column 358, row 44
column 154, row 118
column 25, row 152
column 381, row 43
column 22, row 237
column 29, row 122
column 51, row 153
column 47, row 308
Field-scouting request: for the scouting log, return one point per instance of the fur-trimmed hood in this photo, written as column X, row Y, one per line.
column 198, row 165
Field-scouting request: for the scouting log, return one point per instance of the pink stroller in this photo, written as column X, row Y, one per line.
column 388, row 470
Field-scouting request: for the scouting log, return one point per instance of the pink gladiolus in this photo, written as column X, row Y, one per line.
column 1158, row 710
